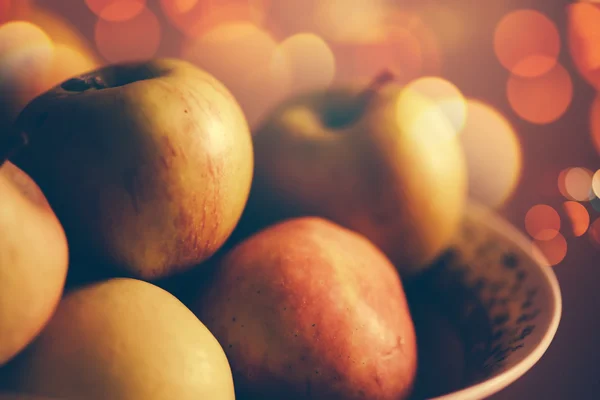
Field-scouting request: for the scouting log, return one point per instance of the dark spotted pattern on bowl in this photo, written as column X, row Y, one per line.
column 493, row 292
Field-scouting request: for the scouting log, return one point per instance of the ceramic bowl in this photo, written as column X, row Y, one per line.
column 485, row 313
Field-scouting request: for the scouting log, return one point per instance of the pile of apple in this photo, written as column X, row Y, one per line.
column 297, row 235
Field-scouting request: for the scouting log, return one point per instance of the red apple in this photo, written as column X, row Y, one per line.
column 308, row 309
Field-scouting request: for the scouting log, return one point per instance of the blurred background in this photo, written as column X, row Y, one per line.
column 518, row 78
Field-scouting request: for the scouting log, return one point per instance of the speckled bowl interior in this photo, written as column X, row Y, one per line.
column 485, row 312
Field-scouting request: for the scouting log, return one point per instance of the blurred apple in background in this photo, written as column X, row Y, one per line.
column 38, row 50
column 25, row 53
column 385, row 162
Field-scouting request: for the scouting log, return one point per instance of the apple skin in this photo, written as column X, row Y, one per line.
column 33, row 261
column 123, row 339
column 308, row 309
column 404, row 189
column 148, row 165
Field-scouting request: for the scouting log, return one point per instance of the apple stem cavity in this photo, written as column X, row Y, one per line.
column 342, row 117
column 115, row 76
column 83, row 83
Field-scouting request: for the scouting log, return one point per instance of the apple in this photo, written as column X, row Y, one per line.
column 308, row 309
column 123, row 339
column 148, row 164
column 383, row 161
column 33, row 261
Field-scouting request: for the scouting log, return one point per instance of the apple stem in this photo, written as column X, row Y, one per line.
column 383, row 78
column 338, row 118
column 11, row 144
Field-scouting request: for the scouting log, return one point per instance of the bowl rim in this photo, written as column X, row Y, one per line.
column 493, row 385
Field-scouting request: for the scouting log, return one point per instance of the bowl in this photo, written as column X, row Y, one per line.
column 485, row 312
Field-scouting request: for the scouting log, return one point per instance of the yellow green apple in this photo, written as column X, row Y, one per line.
column 123, row 339
column 33, row 261
column 383, row 161
column 148, row 165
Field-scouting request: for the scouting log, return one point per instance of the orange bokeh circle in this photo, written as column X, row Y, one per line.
column 542, row 99
column 116, row 10
column 542, row 222
column 135, row 39
column 527, row 43
column 197, row 17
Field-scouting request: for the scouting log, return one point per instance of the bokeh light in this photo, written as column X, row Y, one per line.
column 5, row 6
column 66, row 63
column 14, row 9
column 337, row 21
column 579, row 217
column 182, row 6
column 493, row 154
column 25, row 52
column 24, row 48
column 194, row 18
column 595, row 122
column 594, row 232
column 245, row 58
column 542, row 99
column 429, row 43
column 554, row 250
column 562, row 178
column 445, row 95
column 575, row 184
column 400, row 53
column 116, row 10
column 134, row 39
column 37, row 53
column 584, row 39
column 596, row 183
column 419, row 116
column 404, row 45
column 527, row 43
column 350, row 20
column 542, row 222
column 61, row 31
column 285, row 18
column 449, row 24
column 311, row 62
